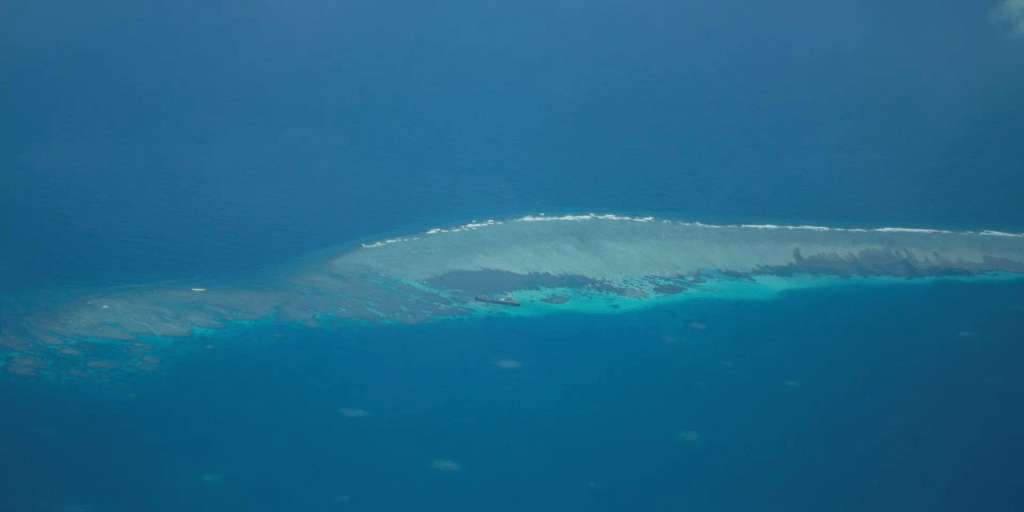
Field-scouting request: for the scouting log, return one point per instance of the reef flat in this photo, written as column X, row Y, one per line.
column 549, row 263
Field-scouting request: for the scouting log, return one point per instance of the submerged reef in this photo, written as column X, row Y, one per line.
column 114, row 332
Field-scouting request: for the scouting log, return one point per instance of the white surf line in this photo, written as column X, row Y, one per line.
column 609, row 216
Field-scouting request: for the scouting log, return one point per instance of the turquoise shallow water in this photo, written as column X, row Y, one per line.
column 542, row 265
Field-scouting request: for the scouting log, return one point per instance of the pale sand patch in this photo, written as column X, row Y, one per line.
column 688, row 436
column 446, row 465
column 352, row 412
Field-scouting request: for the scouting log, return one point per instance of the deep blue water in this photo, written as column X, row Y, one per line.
column 144, row 141
column 151, row 139
column 894, row 411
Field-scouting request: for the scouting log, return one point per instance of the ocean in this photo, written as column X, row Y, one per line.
column 217, row 176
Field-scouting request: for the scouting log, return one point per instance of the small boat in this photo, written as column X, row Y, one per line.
column 504, row 301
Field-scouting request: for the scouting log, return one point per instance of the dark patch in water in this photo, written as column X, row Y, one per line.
column 669, row 289
column 489, row 282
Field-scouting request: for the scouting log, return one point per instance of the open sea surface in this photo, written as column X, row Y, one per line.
column 219, row 141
